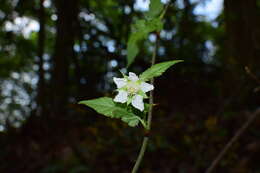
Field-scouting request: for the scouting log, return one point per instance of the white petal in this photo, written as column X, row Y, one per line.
column 120, row 82
column 138, row 103
column 121, row 97
column 133, row 77
column 145, row 87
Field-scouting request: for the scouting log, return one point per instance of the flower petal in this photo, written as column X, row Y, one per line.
column 120, row 82
column 121, row 97
column 138, row 103
column 133, row 77
column 145, row 87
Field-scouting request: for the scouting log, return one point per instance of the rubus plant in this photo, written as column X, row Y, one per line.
column 128, row 105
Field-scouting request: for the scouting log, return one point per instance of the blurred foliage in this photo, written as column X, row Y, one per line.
column 200, row 104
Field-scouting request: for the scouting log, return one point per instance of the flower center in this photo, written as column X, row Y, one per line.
column 133, row 87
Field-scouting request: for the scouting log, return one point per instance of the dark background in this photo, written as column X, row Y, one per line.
column 81, row 45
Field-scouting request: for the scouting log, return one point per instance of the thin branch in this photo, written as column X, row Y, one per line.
column 150, row 114
column 253, row 76
column 141, row 155
column 233, row 140
column 249, row 72
column 149, row 118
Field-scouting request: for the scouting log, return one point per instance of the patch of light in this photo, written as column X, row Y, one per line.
column 46, row 57
column 76, row 48
column 87, row 16
column 206, row 9
column 90, row 17
column 111, row 45
column 209, row 55
column 86, row 36
column 152, row 38
column 35, row 67
column 14, row 3
column 46, row 66
column 142, row 5
column 2, row 128
column 47, row 3
column 23, row 25
column 47, row 76
column 123, row 70
column 113, row 63
column 161, row 51
column 210, row 8
column 84, row 46
column 2, row 14
column 54, row 17
column 167, row 34
column 127, row 10
column 14, row 93
column 15, row 75
column 179, row 4
column 165, row 1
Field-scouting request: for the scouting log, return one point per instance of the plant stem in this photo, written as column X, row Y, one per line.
column 149, row 118
column 233, row 140
column 141, row 155
column 150, row 113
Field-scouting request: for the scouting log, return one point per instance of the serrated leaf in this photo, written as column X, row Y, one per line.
column 103, row 105
column 155, row 8
column 146, row 26
column 132, row 46
column 141, row 30
column 157, row 70
column 121, row 112
column 132, row 121
column 107, row 107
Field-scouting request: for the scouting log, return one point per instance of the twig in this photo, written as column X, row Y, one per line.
column 141, row 155
column 252, row 75
column 149, row 118
column 150, row 114
column 248, row 71
column 233, row 140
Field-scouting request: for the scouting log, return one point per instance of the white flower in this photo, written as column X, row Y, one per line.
column 132, row 90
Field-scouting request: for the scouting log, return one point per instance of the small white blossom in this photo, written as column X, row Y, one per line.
column 120, row 82
column 138, row 103
column 132, row 90
column 121, row 97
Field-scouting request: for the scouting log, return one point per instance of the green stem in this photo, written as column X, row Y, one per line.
column 149, row 118
column 141, row 155
column 150, row 113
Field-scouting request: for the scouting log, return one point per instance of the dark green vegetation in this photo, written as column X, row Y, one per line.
column 81, row 45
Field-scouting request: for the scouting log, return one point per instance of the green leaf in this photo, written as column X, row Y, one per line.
column 106, row 106
column 103, row 105
column 147, row 26
column 132, row 46
column 155, row 8
column 157, row 69
column 132, row 121
column 141, row 29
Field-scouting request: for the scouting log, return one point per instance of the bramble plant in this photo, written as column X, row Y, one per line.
column 128, row 105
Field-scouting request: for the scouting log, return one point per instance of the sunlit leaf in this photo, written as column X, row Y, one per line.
column 131, row 120
column 103, row 105
column 107, row 107
column 157, row 69
column 141, row 29
column 155, row 8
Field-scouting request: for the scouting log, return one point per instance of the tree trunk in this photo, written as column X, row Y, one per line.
column 67, row 13
column 243, row 32
column 41, row 93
